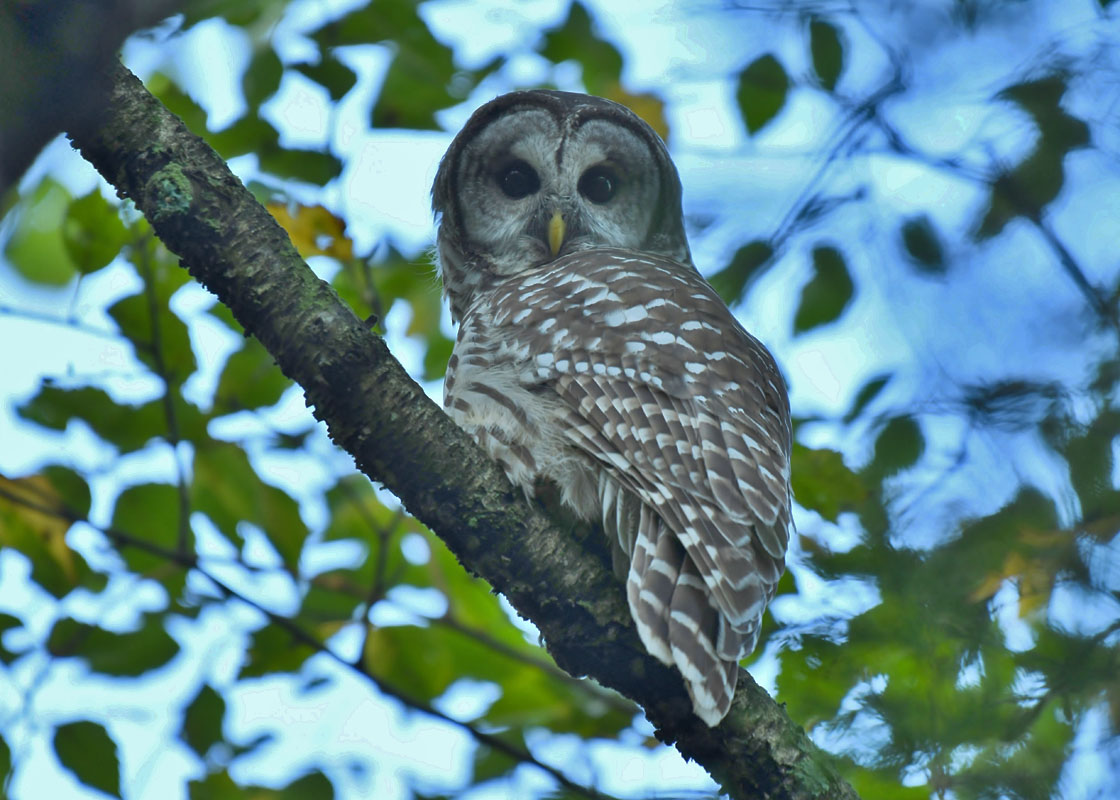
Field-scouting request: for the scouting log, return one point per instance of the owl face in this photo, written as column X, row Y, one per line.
column 539, row 174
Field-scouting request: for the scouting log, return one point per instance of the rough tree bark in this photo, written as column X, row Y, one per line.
column 399, row 438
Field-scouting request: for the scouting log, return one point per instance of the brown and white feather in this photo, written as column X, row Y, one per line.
column 614, row 371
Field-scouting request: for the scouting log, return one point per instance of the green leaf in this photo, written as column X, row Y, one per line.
column 127, row 427
column 271, row 650
column 923, row 245
column 420, row 77
column 178, row 102
column 250, row 134
column 827, row 294
column 331, row 74
column 762, row 91
column 1042, row 100
column 885, row 784
column 126, row 655
column 241, row 13
column 249, row 380
column 86, row 749
column 437, row 355
column 158, row 336
column 202, row 721
column 93, row 232
column 1036, row 181
column 37, row 248
column 5, row 762
column 813, row 680
column 899, row 445
column 309, row 166
column 828, row 52
column 228, row 490
column 220, row 786
column 149, row 512
column 72, row 488
column 7, row 623
column 823, row 483
column 868, row 392
column 262, row 77
column 1024, row 191
column 35, row 524
column 491, row 763
column 313, row 786
column 1090, row 456
column 575, row 40
column 731, row 282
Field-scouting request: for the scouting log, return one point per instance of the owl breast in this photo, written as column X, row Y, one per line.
column 491, row 392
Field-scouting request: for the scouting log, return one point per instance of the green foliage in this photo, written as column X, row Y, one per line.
column 898, row 446
column 576, row 40
column 87, row 750
column 828, row 292
column 34, row 519
column 120, row 654
column 93, row 232
column 827, row 49
column 422, row 78
column 331, row 74
column 823, row 483
column 923, row 245
column 732, row 281
column 763, row 86
column 228, row 490
column 202, row 720
column 7, row 623
column 5, row 761
column 866, row 394
column 1028, row 187
column 38, row 249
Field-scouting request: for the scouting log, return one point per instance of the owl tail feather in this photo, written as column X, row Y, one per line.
column 676, row 622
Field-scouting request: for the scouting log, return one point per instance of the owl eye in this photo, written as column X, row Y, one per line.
column 518, row 180
column 598, row 184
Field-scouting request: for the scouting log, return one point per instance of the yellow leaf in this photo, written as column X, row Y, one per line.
column 33, row 521
column 1012, row 566
column 314, row 231
column 1033, row 577
column 647, row 106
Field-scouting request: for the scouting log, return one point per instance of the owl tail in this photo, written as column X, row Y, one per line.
column 677, row 623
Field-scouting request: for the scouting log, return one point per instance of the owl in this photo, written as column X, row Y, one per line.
column 592, row 355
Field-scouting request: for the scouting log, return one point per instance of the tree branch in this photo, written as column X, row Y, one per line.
column 397, row 437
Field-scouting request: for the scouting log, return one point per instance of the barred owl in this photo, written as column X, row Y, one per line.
column 592, row 354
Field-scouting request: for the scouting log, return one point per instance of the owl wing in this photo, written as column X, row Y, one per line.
column 687, row 413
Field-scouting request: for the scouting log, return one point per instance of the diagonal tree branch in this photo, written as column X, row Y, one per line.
column 398, row 437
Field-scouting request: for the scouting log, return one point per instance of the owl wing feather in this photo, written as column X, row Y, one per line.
column 685, row 411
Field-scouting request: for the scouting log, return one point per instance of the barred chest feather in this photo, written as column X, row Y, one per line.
column 517, row 424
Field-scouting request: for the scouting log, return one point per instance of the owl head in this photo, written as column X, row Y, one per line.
column 536, row 175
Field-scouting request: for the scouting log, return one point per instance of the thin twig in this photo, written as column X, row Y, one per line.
column 169, row 390
column 67, row 322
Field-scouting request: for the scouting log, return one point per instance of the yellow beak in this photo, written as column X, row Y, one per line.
column 555, row 232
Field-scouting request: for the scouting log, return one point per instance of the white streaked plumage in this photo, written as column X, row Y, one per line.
column 613, row 370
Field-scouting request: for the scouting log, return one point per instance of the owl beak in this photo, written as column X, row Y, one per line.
column 556, row 230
